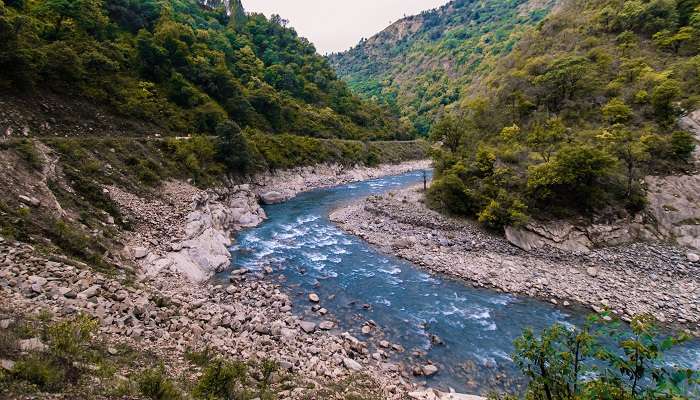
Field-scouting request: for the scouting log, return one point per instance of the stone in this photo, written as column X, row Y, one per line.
column 351, row 364
column 313, row 297
column 92, row 291
column 139, row 252
column 326, row 325
column 308, row 327
column 693, row 257
column 366, row 329
column 7, row 365
column 31, row 201
column 429, row 370
column 272, row 197
column 592, row 272
column 33, row 344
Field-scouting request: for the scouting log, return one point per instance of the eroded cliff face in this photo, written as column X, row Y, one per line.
column 672, row 215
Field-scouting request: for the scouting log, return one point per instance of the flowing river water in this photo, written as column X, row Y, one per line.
column 357, row 283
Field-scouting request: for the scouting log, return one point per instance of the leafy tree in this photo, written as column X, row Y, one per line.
column 234, row 150
column 603, row 360
column 450, row 131
column 575, row 175
column 628, row 148
column 617, row 112
column 545, row 138
column 663, row 98
column 683, row 144
column 562, row 79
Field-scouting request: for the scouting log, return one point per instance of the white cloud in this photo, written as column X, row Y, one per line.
column 337, row 25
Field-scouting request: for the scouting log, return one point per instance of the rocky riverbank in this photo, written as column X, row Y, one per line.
column 629, row 279
column 180, row 238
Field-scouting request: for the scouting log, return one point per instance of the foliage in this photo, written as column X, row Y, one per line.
column 583, row 107
column 421, row 65
column 183, row 67
column 69, row 348
column 155, row 385
column 603, row 360
column 233, row 150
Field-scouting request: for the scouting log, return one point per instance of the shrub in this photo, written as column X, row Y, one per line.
column 154, row 384
column 682, row 144
column 26, row 150
column 222, row 380
column 602, row 360
column 42, row 372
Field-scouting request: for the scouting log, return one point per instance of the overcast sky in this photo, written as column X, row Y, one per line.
column 336, row 25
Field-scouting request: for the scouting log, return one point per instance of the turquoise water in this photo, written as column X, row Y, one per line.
column 357, row 283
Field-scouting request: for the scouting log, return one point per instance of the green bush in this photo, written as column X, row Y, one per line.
column 682, row 144
column 41, row 371
column 155, row 385
column 603, row 360
column 222, row 380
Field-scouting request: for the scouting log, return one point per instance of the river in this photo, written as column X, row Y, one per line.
column 357, row 283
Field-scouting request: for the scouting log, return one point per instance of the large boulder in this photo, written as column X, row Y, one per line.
column 272, row 197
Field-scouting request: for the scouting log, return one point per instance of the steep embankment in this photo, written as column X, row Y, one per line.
column 423, row 64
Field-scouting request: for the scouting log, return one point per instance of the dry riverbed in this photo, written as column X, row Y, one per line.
column 631, row 279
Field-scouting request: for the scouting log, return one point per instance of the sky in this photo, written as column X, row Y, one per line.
column 337, row 25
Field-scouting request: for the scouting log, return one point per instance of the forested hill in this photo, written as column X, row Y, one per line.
column 422, row 64
column 583, row 108
column 182, row 65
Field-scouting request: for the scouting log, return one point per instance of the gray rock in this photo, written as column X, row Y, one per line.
column 139, row 252
column 31, row 201
column 272, row 197
column 313, row 297
column 326, row 325
column 351, row 364
column 7, row 365
column 308, row 327
column 693, row 257
column 429, row 370
column 92, row 291
column 33, row 344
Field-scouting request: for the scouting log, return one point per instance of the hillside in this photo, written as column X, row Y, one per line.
column 177, row 66
column 422, row 64
column 569, row 123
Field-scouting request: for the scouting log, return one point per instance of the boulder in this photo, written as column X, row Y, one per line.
column 33, row 344
column 429, row 370
column 352, row 365
column 313, row 297
column 139, row 252
column 272, row 197
column 308, row 327
column 693, row 257
column 326, row 325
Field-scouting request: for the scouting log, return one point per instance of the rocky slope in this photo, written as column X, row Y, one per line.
column 632, row 279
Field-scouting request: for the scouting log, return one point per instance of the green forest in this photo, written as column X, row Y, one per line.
column 184, row 67
column 424, row 70
column 585, row 106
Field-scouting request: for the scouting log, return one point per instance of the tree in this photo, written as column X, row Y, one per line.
column 234, row 150
column 662, row 100
column 603, row 359
column 628, row 148
column 545, row 138
column 682, row 144
column 573, row 176
column 617, row 112
column 449, row 131
column 562, row 79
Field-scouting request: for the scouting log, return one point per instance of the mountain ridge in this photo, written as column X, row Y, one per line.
column 419, row 64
